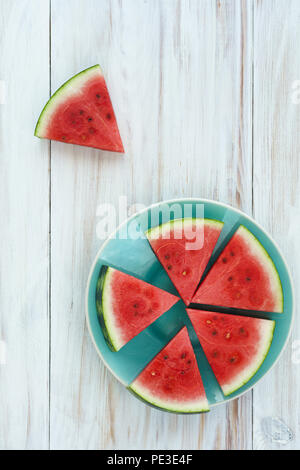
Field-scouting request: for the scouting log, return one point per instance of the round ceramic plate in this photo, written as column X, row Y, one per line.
column 127, row 249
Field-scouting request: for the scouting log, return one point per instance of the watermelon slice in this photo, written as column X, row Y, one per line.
column 80, row 112
column 172, row 380
column 127, row 305
column 184, row 246
column 244, row 276
column 235, row 346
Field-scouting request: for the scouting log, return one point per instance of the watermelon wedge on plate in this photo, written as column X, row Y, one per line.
column 127, row 305
column 183, row 247
column 244, row 276
column 80, row 112
column 235, row 346
column 172, row 380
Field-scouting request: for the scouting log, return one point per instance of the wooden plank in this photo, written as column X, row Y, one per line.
column 179, row 74
column 206, row 149
column 276, row 192
column 24, row 202
column 84, row 396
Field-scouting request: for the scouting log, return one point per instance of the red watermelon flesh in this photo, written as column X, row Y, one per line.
column 81, row 113
column 183, row 247
column 129, row 305
column 235, row 346
column 244, row 276
column 172, row 380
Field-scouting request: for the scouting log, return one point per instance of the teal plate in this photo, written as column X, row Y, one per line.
column 128, row 250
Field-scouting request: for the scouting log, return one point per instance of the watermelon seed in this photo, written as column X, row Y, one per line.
column 248, row 278
column 167, row 256
column 183, row 355
column 135, row 305
column 243, row 332
column 224, row 260
column 214, row 332
column 153, row 373
column 166, row 357
column 230, row 278
column 169, row 267
column 231, row 253
column 90, row 119
column 184, row 273
column 215, row 354
column 189, row 361
column 232, row 359
column 108, row 116
column 81, row 112
column 182, row 372
column 208, row 322
column 97, row 95
column 227, row 335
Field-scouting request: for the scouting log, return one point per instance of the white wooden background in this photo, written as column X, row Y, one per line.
column 203, row 91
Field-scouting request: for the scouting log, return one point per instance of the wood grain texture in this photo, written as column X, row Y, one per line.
column 276, row 187
column 202, row 90
column 24, row 205
column 205, row 143
column 180, row 76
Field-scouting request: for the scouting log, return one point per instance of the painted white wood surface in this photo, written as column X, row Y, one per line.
column 276, row 187
column 24, row 207
column 182, row 76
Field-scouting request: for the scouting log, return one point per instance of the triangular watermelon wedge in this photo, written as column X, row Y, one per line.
column 80, row 112
column 184, row 247
column 244, row 276
column 172, row 380
column 235, row 346
column 127, row 305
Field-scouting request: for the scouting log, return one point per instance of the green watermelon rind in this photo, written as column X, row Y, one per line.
column 268, row 263
column 203, row 408
column 102, row 305
column 71, row 86
column 238, row 383
column 152, row 233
